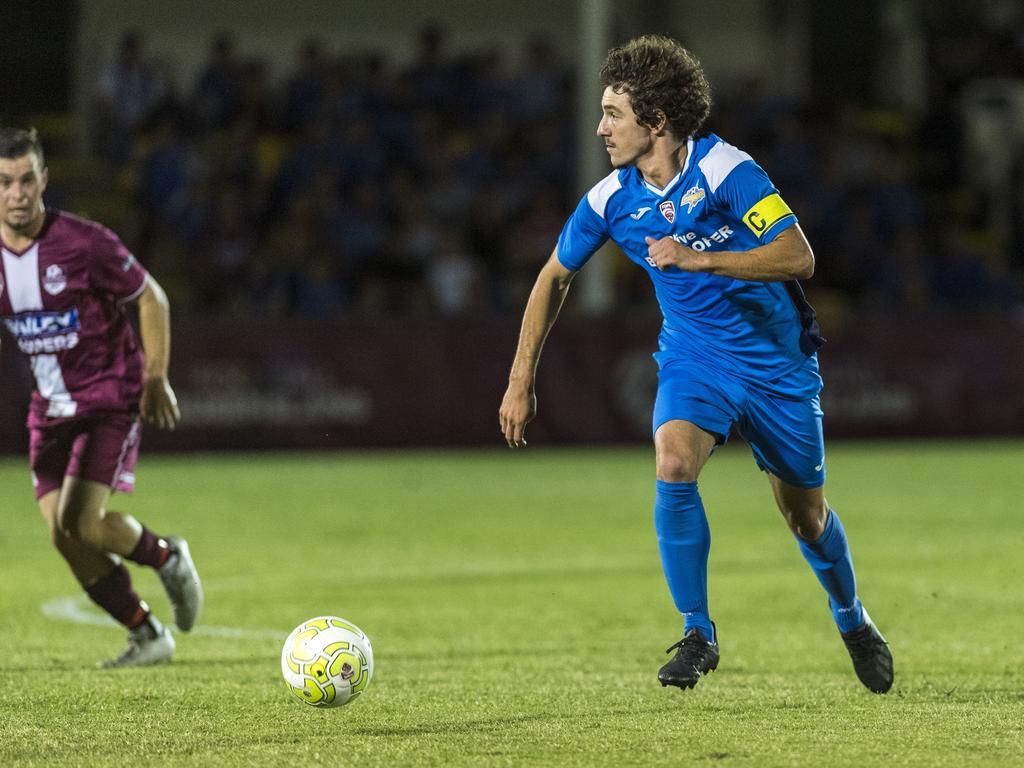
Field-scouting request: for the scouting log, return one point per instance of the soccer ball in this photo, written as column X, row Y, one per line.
column 327, row 661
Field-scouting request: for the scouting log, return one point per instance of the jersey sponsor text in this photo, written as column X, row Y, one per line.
column 44, row 332
column 698, row 243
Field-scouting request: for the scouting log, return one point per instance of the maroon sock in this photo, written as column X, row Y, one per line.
column 114, row 594
column 151, row 550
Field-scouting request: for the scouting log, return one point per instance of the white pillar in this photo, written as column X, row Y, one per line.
column 903, row 75
column 594, row 286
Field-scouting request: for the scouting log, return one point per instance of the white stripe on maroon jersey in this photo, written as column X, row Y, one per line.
column 25, row 295
column 23, row 280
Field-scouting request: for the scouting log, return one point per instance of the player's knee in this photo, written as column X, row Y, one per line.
column 81, row 528
column 65, row 526
column 807, row 520
column 677, row 467
column 90, row 531
column 62, row 542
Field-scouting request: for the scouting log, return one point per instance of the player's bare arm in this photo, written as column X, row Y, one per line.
column 519, row 405
column 158, row 406
column 787, row 257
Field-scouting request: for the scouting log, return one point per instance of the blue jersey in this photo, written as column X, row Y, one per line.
column 721, row 200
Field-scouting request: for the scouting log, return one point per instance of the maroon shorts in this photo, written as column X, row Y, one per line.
column 102, row 448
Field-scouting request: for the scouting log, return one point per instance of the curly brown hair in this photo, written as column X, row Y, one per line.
column 660, row 75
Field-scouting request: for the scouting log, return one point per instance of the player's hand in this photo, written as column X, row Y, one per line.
column 518, row 407
column 666, row 253
column 159, row 406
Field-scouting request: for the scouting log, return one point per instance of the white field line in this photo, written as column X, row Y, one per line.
column 78, row 610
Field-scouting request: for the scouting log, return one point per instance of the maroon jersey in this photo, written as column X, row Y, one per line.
column 62, row 299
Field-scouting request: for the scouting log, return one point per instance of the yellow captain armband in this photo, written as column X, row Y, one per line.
column 766, row 213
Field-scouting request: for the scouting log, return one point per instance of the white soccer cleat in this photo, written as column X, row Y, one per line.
column 148, row 644
column 181, row 582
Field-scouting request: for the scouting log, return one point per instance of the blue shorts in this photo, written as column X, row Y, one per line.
column 783, row 432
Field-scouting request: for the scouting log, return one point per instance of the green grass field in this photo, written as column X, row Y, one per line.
column 518, row 615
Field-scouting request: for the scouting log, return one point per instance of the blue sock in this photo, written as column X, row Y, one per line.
column 829, row 557
column 684, row 540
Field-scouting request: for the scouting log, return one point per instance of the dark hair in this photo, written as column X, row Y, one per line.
column 660, row 75
column 17, row 142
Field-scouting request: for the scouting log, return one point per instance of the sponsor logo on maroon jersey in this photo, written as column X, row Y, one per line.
column 668, row 210
column 54, row 282
column 45, row 332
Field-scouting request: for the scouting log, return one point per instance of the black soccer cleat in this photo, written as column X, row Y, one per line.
column 695, row 656
column 872, row 660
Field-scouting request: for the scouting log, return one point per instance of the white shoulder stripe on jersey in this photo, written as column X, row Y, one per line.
column 604, row 189
column 136, row 293
column 719, row 162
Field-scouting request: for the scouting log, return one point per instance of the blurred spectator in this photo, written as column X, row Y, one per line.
column 128, row 93
column 256, row 99
column 358, row 223
column 167, row 171
column 318, row 290
column 216, row 98
column 232, row 155
column 429, row 78
column 542, row 87
column 224, row 250
column 455, row 278
column 305, row 88
column 965, row 276
column 901, row 284
column 530, row 244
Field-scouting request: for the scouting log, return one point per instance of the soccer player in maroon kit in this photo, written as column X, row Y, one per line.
column 64, row 284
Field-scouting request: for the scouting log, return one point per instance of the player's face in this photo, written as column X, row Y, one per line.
column 625, row 139
column 22, row 182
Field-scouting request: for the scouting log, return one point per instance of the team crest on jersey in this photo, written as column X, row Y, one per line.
column 54, row 282
column 693, row 196
column 668, row 210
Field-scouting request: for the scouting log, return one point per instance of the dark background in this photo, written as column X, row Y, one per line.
column 347, row 205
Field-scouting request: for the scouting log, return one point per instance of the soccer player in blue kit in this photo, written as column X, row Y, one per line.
column 738, row 343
